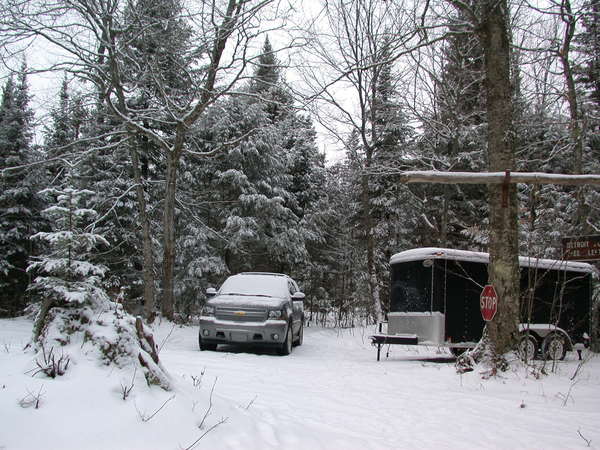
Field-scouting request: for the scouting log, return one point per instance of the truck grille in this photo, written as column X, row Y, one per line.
column 241, row 314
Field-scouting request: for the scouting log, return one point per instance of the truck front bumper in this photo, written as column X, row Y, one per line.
column 269, row 333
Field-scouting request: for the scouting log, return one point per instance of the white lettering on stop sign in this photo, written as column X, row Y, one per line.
column 488, row 302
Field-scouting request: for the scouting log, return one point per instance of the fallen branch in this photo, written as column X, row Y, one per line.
column 32, row 399
column 221, row 422
column 146, row 418
column 210, row 404
column 587, row 441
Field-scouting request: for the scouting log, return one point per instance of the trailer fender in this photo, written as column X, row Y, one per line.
column 542, row 330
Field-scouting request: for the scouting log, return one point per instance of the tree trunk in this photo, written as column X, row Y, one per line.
column 503, row 239
column 368, row 228
column 148, row 258
column 168, row 300
column 575, row 116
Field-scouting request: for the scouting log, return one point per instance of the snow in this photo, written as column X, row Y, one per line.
column 418, row 254
column 329, row 393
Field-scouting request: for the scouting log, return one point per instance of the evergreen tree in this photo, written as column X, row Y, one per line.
column 19, row 203
column 268, row 85
column 251, row 205
column 60, row 136
column 104, row 167
column 454, row 139
column 589, row 45
column 66, row 274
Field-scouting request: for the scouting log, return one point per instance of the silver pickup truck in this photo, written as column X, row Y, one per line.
column 254, row 308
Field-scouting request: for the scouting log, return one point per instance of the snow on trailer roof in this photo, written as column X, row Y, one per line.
column 418, row 254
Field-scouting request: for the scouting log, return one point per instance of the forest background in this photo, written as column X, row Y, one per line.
column 181, row 145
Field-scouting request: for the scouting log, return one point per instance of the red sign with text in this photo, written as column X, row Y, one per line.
column 488, row 302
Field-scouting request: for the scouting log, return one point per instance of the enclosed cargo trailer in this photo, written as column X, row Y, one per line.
column 435, row 295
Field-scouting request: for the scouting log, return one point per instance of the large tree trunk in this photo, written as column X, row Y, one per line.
column 168, row 300
column 148, row 258
column 369, row 236
column 503, row 240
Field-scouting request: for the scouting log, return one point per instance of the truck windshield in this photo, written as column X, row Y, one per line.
column 255, row 285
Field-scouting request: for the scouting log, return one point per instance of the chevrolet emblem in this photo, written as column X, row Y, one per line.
column 240, row 313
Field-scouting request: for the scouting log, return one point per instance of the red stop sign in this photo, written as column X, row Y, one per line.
column 488, row 302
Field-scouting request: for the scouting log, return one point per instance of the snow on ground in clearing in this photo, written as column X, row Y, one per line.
column 330, row 393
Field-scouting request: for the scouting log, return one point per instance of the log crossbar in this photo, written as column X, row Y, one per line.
column 493, row 177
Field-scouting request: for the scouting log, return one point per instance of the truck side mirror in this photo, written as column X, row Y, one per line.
column 298, row 296
column 211, row 292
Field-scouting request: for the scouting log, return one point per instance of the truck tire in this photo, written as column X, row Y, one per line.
column 286, row 347
column 298, row 342
column 204, row 346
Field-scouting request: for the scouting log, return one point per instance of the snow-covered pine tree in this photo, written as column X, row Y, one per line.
column 258, row 188
column 65, row 274
column 154, row 76
column 339, row 266
column 60, row 136
column 75, row 308
column 588, row 44
column 20, row 205
column 267, row 84
column 589, row 78
column 393, row 148
column 454, row 139
column 107, row 170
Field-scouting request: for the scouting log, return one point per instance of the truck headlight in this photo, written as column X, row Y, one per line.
column 278, row 314
column 208, row 310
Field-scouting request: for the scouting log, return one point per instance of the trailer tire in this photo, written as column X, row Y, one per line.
column 554, row 347
column 528, row 347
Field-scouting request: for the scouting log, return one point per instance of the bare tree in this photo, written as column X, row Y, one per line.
column 362, row 39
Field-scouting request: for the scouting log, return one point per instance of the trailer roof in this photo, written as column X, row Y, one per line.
column 418, row 254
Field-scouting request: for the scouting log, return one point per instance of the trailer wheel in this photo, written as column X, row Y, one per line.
column 554, row 347
column 527, row 348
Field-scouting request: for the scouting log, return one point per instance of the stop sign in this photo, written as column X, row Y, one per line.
column 488, row 302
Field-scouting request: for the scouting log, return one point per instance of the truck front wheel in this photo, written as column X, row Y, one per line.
column 286, row 347
column 204, row 346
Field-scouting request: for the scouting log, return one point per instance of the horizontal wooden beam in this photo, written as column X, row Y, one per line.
column 493, row 177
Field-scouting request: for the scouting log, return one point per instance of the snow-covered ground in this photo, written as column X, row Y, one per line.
column 330, row 393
